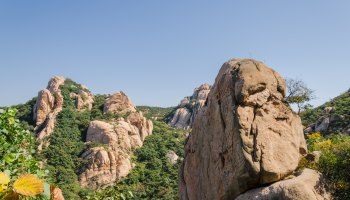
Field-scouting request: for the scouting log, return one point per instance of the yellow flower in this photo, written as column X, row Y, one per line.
column 314, row 136
column 326, row 144
column 28, row 185
column 4, row 180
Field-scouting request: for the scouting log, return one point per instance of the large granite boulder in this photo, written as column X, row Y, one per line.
column 118, row 103
column 189, row 107
column 244, row 136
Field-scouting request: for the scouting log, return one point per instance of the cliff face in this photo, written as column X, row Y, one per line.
column 244, row 137
column 189, row 107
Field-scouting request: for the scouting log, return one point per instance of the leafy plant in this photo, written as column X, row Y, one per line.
column 17, row 146
column 16, row 158
column 27, row 186
column 334, row 162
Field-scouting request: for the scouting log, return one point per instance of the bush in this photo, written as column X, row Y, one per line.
column 334, row 162
column 17, row 145
column 16, row 159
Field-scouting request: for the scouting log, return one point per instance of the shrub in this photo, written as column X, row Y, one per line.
column 16, row 160
column 334, row 162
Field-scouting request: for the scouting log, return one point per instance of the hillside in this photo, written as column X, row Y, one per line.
column 154, row 164
column 155, row 113
column 331, row 117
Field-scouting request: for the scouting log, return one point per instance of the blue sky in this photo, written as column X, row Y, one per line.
column 158, row 51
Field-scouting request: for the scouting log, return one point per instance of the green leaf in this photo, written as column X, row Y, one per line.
column 9, row 158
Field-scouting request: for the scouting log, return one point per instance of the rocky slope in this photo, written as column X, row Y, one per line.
column 48, row 105
column 187, row 110
column 245, row 137
column 87, row 140
column 110, row 161
column 331, row 117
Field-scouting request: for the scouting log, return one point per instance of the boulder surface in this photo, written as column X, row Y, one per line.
column 118, row 103
column 308, row 185
column 244, row 136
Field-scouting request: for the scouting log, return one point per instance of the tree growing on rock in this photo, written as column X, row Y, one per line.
column 298, row 94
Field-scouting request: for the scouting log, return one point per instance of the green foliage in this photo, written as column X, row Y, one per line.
column 97, row 107
column 298, row 93
column 17, row 145
column 341, row 105
column 25, row 114
column 155, row 112
column 153, row 176
column 66, row 144
column 17, row 148
column 334, row 162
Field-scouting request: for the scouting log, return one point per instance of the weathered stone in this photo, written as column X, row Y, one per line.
column 56, row 193
column 105, row 167
column 172, row 157
column 47, row 107
column 243, row 137
column 119, row 103
column 189, row 107
column 322, row 125
column 181, row 119
column 114, row 141
column 83, row 100
column 309, row 185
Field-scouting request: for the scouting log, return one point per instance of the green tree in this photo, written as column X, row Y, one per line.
column 298, row 93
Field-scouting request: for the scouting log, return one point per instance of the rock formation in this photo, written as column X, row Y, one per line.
column 244, row 137
column 308, row 185
column 119, row 103
column 172, row 157
column 188, row 108
column 83, row 100
column 56, row 193
column 109, row 161
column 47, row 107
column 329, row 122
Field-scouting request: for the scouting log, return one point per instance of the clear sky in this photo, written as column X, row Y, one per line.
column 158, row 51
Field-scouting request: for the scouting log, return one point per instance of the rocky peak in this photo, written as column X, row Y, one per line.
column 47, row 107
column 244, row 137
column 114, row 141
column 188, row 108
column 119, row 103
column 83, row 99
